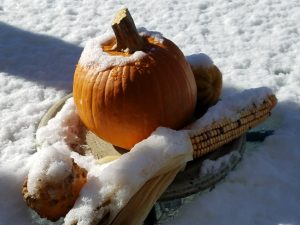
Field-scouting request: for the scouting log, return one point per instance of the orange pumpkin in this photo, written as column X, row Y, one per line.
column 139, row 83
column 208, row 79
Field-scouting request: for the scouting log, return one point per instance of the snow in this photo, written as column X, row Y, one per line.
column 199, row 60
column 254, row 43
column 157, row 36
column 65, row 127
column 94, row 56
column 212, row 166
column 229, row 107
column 51, row 164
column 117, row 181
column 122, row 178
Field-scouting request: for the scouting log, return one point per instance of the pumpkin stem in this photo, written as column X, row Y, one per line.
column 128, row 39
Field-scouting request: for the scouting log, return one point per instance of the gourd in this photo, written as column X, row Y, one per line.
column 53, row 199
column 208, row 79
column 139, row 84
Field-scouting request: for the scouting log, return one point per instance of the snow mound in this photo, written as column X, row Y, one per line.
column 230, row 107
column 94, row 56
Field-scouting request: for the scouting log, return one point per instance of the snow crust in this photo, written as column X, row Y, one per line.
column 53, row 162
column 213, row 166
column 200, row 60
column 228, row 107
column 94, row 56
column 65, row 127
column 254, row 43
column 121, row 179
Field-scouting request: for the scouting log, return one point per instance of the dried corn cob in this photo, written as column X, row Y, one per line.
column 219, row 133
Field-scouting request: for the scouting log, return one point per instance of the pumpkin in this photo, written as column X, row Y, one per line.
column 128, row 84
column 208, row 79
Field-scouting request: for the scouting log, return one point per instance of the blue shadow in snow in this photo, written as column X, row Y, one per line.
column 39, row 58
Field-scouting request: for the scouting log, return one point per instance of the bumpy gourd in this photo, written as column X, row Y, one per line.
column 140, row 82
column 208, row 79
column 54, row 199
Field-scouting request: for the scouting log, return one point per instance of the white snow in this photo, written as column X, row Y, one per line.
column 53, row 163
column 200, row 60
column 122, row 178
column 157, row 36
column 213, row 166
column 65, row 127
column 254, row 43
column 229, row 107
column 118, row 181
column 50, row 164
column 94, row 56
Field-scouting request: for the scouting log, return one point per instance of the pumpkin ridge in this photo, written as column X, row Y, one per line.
column 97, row 92
column 105, row 99
column 83, row 100
column 189, row 80
column 80, row 82
column 189, row 83
column 165, row 56
column 94, row 98
column 124, row 85
column 92, row 103
column 162, row 54
column 160, row 96
column 89, row 98
column 76, row 84
column 145, row 122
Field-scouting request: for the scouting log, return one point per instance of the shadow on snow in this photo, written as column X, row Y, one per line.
column 39, row 58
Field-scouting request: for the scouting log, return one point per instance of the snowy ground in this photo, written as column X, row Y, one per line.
column 253, row 43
